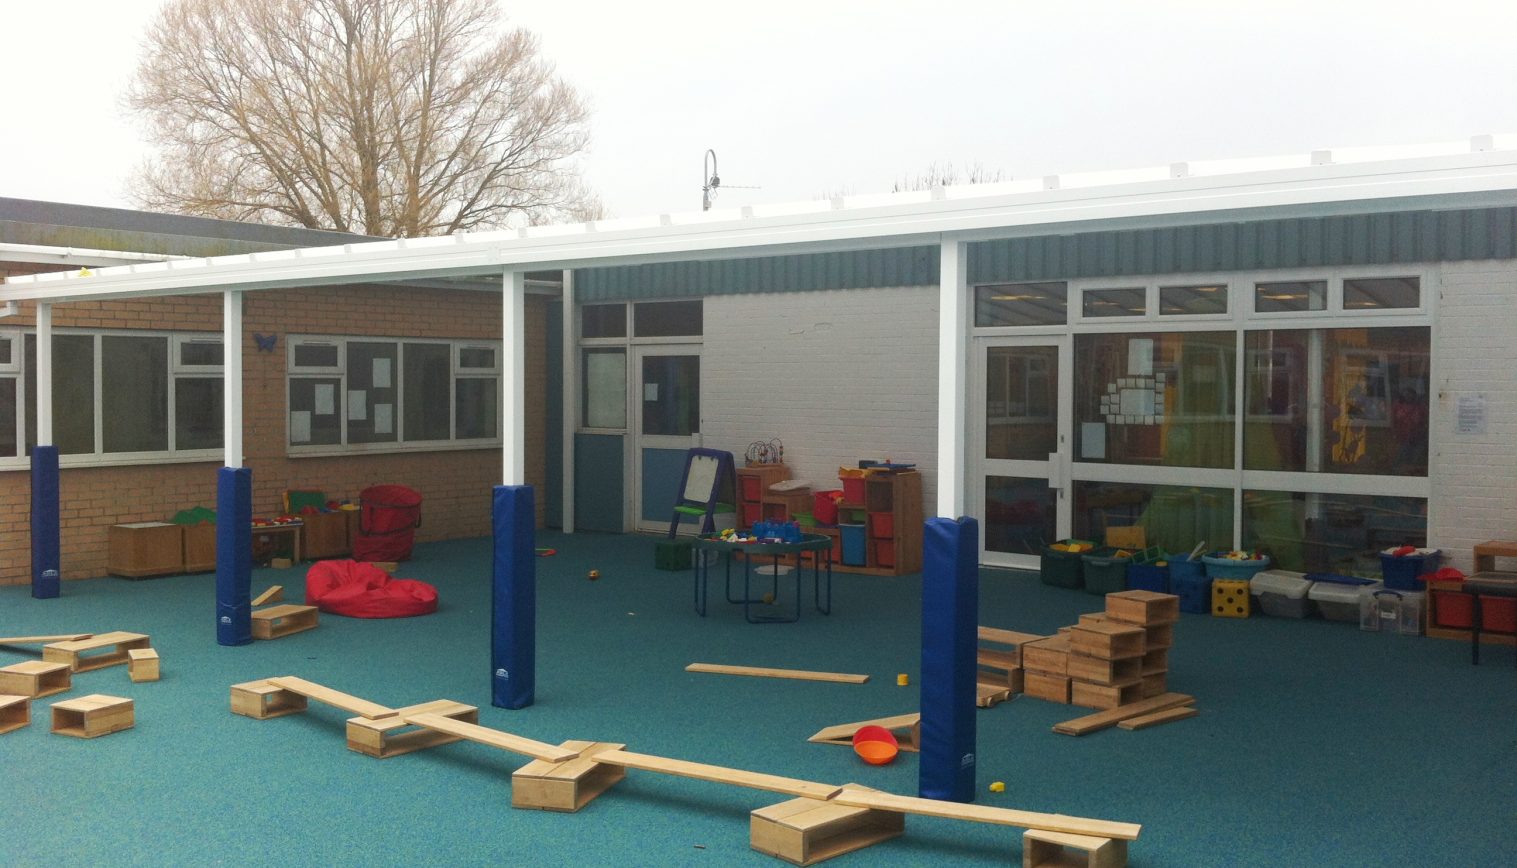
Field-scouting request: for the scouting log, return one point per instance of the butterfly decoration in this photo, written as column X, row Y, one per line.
column 265, row 343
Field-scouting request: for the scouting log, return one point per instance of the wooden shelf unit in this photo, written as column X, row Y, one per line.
column 892, row 513
column 753, row 483
column 1462, row 634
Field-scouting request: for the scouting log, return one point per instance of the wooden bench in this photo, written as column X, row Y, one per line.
column 806, row 831
column 276, row 622
column 395, row 735
column 76, row 653
column 566, row 786
column 93, row 716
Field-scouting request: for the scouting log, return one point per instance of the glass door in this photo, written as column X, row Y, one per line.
column 666, row 401
column 1018, row 467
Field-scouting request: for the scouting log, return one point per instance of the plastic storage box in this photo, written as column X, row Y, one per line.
column 1337, row 597
column 854, row 544
column 1189, row 582
column 1400, row 573
column 1105, row 571
column 1219, row 567
column 1390, row 611
column 1282, row 593
column 1064, row 569
column 1145, row 574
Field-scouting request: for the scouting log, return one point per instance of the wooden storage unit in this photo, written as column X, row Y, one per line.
column 145, row 548
column 753, row 483
column 1461, row 634
column 199, row 548
column 892, row 513
column 325, row 535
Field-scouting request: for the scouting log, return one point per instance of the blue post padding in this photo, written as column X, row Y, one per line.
column 513, row 606
column 45, row 535
column 234, row 555
column 950, row 615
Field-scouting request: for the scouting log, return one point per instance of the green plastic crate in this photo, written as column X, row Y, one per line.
column 1105, row 572
column 676, row 554
column 1063, row 569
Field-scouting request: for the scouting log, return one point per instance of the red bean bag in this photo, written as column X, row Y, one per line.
column 361, row 590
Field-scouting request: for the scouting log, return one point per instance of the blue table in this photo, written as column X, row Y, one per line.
column 819, row 544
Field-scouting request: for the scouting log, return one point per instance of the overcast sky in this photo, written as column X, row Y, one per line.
column 822, row 97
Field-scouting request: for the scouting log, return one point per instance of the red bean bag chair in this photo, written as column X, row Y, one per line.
column 361, row 590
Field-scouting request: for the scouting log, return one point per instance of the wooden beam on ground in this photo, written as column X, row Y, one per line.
column 860, row 798
column 44, row 640
column 1113, row 716
column 1006, row 637
column 843, row 733
column 492, row 737
column 718, row 774
column 338, row 699
column 274, row 594
column 1158, row 717
column 759, row 672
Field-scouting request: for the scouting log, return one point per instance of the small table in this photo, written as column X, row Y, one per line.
column 1487, row 552
column 818, row 544
column 290, row 529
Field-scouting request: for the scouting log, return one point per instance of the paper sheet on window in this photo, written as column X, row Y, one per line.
column 1140, row 357
column 358, row 405
column 326, row 399
column 1092, row 440
column 381, row 373
column 384, row 418
column 1469, row 414
column 650, row 391
column 300, row 426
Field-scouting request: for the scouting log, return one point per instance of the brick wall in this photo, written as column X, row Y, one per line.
column 1474, row 476
column 837, row 375
column 455, row 485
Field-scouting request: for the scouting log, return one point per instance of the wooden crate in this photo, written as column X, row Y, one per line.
column 261, row 700
column 1047, row 655
column 806, row 831
column 1104, row 695
column 1153, row 685
column 1144, row 608
column 325, row 535
column 566, row 786
column 1042, row 849
column 276, row 622
column 76, row 654
column 1046, row 685
column 142, row 664
column 36, row 678
column 15, row 712
column 145, row 548
column 1109, row 639
column 1158, row 636
column 393, row 736
column 93, row 716
column 1155, row 661
column 1099, row 670
column 200, row 548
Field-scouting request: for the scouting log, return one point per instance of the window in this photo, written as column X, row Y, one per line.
column 1332, row 533
column 666, row 319
column 387, row 393
column 1192, row 300
column 1114, row 302
column 1290, row 296
column 1382, row 293
column 10, row 395
column 603, row 321
column 1021, row 304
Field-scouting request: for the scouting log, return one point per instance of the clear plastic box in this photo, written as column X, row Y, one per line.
column 1339, row 600
column 1282, row 593
column 1390, row 611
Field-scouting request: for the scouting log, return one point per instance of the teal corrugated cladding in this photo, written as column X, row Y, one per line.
column 1306, row 242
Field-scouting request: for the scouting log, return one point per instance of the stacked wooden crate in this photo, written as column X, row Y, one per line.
column 1109, row 659
column 999, row 664
column 1045, row 668
column 1155, row 614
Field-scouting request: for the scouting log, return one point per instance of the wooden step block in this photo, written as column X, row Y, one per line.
column 1153, row 685
column 1158, row 636
column 261, row 700
column 274, row 594
column 1051, row 686
column 806, row 831
column 393, row 736
column 36, row 678
column 15, row 712
column 1097, row 670
column 566, row 786
column 1143, row 608
column 78, row 656
column 142, row 664
column 1109, row 639
column 1061, row 850
column 93, row 716
column 1103, row 695
column 1049, row 655
column 1092, row 617
column 1155, row 661
column 276, row 622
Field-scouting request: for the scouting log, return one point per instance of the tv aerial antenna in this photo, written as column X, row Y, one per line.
column 710, row 181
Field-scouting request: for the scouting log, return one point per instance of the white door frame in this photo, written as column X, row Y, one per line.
column 1055, row 468
column 638, row 441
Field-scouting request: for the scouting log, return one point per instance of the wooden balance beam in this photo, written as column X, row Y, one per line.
column 718, row 774
column 763, row 672
column 335, row 698
column 35, row 640
column 492, row 737
column 862, row 798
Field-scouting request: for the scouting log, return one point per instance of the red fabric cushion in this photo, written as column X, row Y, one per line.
column 361, row 590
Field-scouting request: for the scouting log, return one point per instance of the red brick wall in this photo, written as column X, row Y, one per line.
column 455, row 485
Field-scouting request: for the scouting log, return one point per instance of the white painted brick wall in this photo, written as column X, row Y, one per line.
column 839, row 376
column 1474, row 477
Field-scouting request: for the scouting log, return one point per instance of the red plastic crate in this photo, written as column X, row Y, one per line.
column 853, row 489
column 753, row 488
column 884, row 552
column 752, row 513
column 1454, row 609
column 824, row 506
column 1498, row 614
column 882, row 524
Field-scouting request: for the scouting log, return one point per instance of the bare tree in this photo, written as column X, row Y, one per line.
column 385, row 117
column 948, row 176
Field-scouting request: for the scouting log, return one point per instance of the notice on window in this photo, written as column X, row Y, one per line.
column 1469, row 414
column 326, row 399
column 1092, row 440
column 381, row 374
column 1140, row 357
column 384, row 418
column 358, row 405
column 650, row 392
column 300, row 426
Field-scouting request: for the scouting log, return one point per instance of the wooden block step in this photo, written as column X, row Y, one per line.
column 1154, row 684
column 1111, row 717
column 36, row 678
column 1158, row 636
column 1016, row 640
column 1158, row 717
column 1143, row 608
column 335, row 698
column 1098, row 670
column 906, row 728
column 1109, row 639
column 93, row 716
column 1049, row 655
column 718, row 774
column 395, row 735
column 807, row 831
column 77, row 654
column 1092, row 617
column 1103, row 695
column 1041, row 849
column 142, row 664
column 15, row 712
column 569, row 785
column 274, row 594
column 261, row 700
column 491, row 737
column 1046, row 685
column 983, row 814
column 276, row 622
column 1155, row 661
column 1004, row 660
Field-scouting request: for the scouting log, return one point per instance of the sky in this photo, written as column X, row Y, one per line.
column 837, row 97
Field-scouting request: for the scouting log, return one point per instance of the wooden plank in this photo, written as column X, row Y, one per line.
column 982, row 814
column 1007, row 637
column 843, row 732
column 1110, row 717
column 274, row 594
column 1144, row 721
column 719, row 774
column 492, row 737
column 338, row 699
column 760, row 672
column 34, row 640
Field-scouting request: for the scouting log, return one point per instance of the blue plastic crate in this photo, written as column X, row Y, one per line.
column 1401, row 573
column 1189, row 582
column 1147, row 577
column 854, row 544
